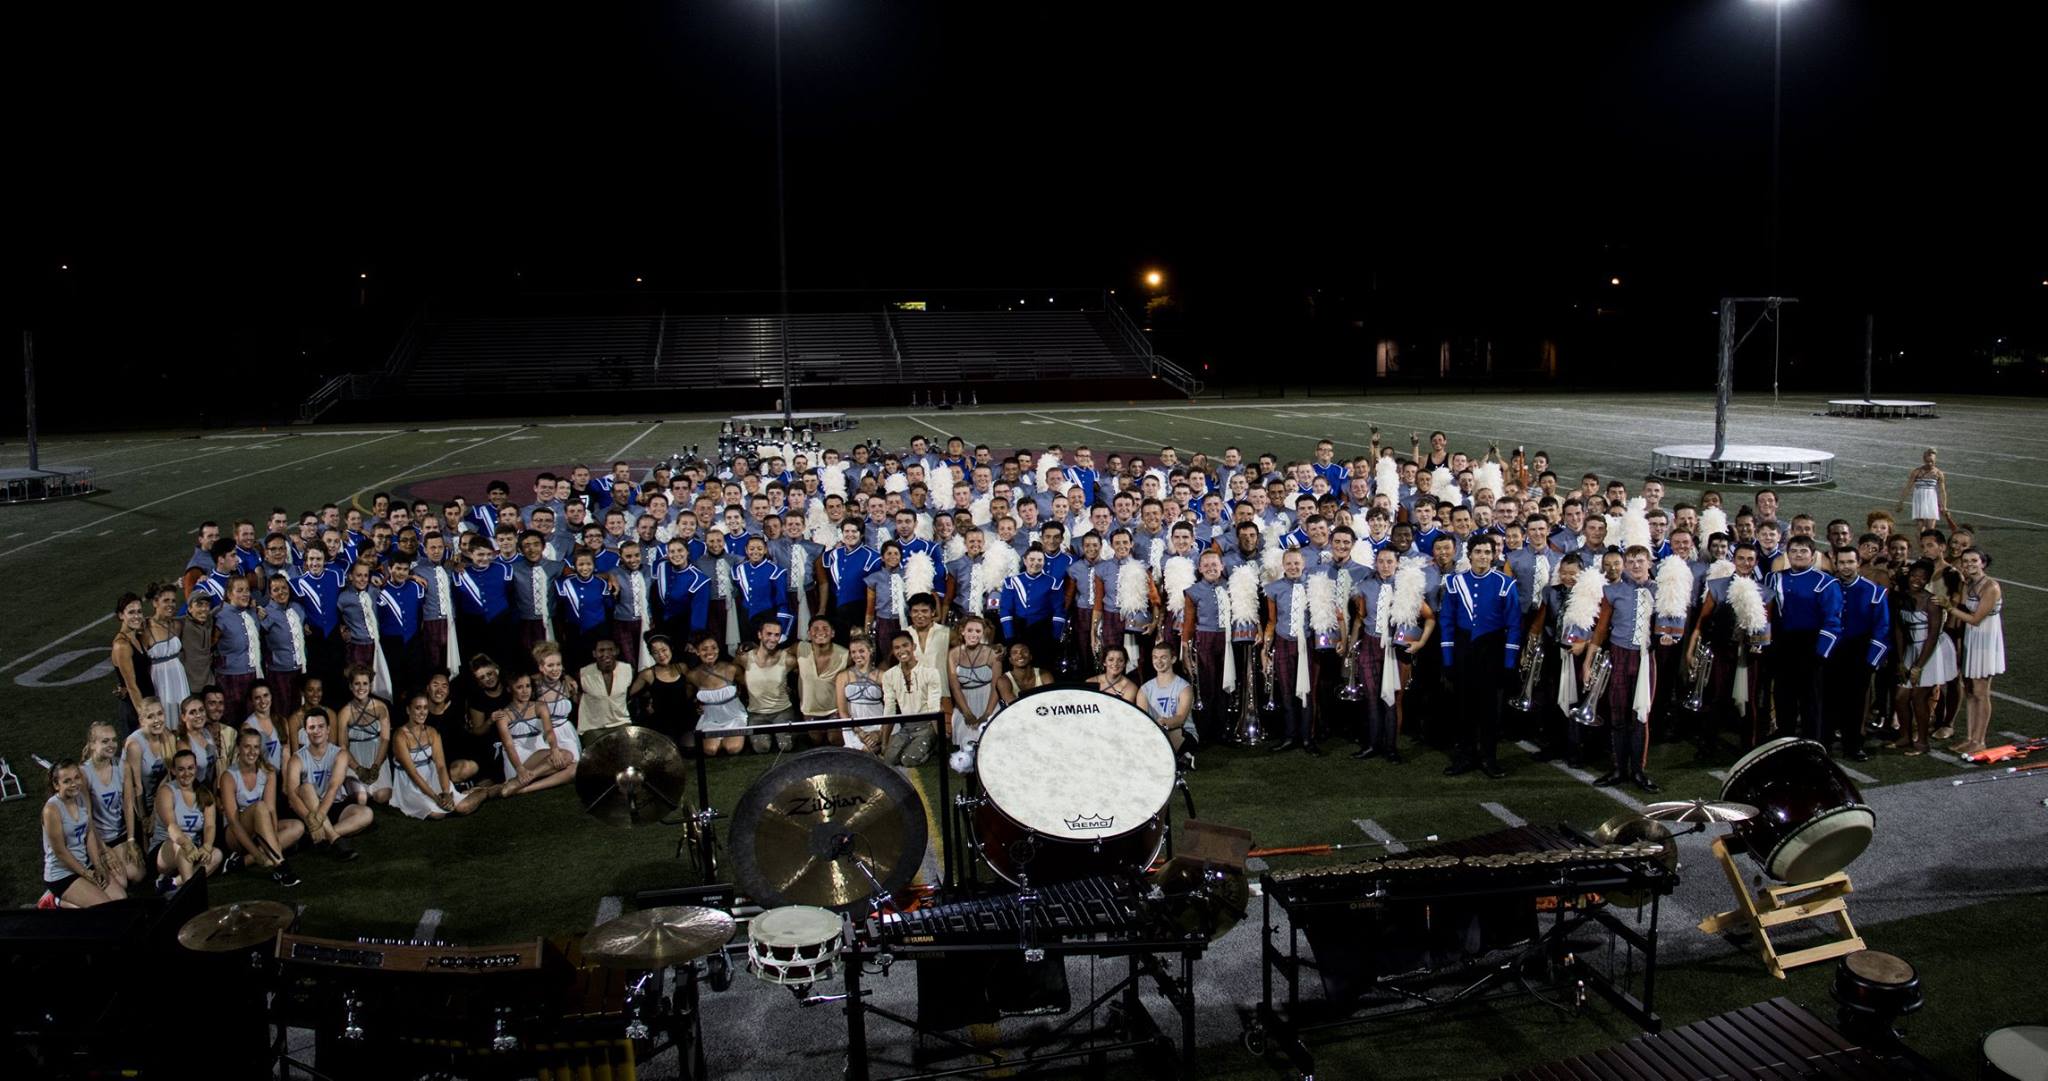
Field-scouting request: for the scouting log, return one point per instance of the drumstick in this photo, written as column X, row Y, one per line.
column 1326, row 849
column 1999, row 775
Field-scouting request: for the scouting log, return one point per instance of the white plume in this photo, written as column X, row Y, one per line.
column 1539, row 575
column 1362, row 554
column 815, row 520
column 1269, row 564
column 1442, row 482
column 1002, row 561
column 1361, row 529
column 895, row 482
column 1133, row 590
column 1488, row 476
column 1155, row 556
column 1464, row 564
column 1582, row 604
column 1748, row 602
column 1407, row 604
column 1721, row 569
column 978, row 509
column 956, row 546
column 939, row 478
column 1046, row 461
column 1635, row 524
column 918, row 574
column 832, row 480
column 1386, row 477
column 1240, row 603
column 1322, row 603
column 1712, row 520
column 923, row 529
column 1178, row 576
column 1674, row 587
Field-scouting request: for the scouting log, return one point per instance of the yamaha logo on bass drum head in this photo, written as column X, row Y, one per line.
column 1066, row 709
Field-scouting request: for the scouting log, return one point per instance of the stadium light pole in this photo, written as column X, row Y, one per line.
column 781, row 226
column 1777, row 128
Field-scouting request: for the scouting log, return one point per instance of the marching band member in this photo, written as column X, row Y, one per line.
column 1483, row 631
column 77, row 868
column 1809, row 626
column 1677, row 595
column 762, row 588
column 1928, row 656
column 1205, row 624
column 1379, row 671
column 632, row 613
column 1127, row 600
column 1030, row 609
column 1625, row 625
column 1285, row 641
column 1866, row 638
column 682, row 595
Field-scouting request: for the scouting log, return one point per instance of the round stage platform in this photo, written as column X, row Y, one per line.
column 37, row 485
column 1880, row 408
column 1747, row 464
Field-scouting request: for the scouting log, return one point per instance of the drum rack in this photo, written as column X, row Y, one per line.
column 1756, row 913
column 1138, row 1032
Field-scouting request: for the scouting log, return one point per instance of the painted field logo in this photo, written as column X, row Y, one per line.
column 1090, row 822
column 1069, row 711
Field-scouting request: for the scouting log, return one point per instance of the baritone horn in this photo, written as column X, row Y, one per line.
column 1272, row 704
column 1531, row 668
column 1195, row 673
column 1351, row 691
column 1587, row 710
column 1248, row 727
column 1696, row 677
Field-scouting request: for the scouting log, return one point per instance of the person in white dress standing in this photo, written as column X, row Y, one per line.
column 1927, row 487
column 1977, row 610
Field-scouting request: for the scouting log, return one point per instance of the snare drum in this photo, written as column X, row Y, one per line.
column 1813, row 820
column 1075, row 783
column 794, row 946
column 2017, row 1053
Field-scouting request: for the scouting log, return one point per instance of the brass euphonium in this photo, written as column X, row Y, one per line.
column 1248, row 727
column 1352, row 691
column 1587, row 710
column 1531, row 669
column 1272, row 703
column 1696, row 676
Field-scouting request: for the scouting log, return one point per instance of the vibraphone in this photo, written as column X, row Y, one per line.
column 1770, row 1039
column 1383, row 930
column 1088, row 908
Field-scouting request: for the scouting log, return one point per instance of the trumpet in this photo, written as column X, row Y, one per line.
column 1248, row 702
column 1352, row 691
column 1696, row 678
column 1587, row 711
column 1530, row 669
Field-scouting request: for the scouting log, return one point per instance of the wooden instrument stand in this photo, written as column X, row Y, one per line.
column 1761, row 911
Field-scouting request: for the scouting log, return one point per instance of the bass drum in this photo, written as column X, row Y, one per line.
column 1812, row 820
column 1074, row 783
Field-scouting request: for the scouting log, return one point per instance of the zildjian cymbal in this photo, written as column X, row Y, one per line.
column 1628, row 829
column 815, row 827
column 235, row 927
column 1700, row 810
column 630, row 776
column 656, row 938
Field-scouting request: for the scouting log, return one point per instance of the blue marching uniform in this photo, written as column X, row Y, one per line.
column 1866, row 633
column 1031, row 610
column 584, row 615
column 763, row 589
column 1809, row 611
column 682, row 599
column 1482, row 627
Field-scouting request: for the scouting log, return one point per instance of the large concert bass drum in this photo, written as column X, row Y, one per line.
column 1074, row 784
column 1813, row 820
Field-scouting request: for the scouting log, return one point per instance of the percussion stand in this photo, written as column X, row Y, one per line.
column 1758, row 912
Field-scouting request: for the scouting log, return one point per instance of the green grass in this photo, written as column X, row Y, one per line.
column 536, row 865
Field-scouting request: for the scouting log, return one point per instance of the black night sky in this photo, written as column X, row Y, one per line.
column 215, row 182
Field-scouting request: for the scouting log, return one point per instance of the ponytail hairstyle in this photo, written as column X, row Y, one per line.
column 85, row 755
column 58, row 767
column 123, row 601
column 201, row 795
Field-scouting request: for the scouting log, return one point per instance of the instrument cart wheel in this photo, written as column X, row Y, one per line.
column 718, row 971
column 1254, row 1040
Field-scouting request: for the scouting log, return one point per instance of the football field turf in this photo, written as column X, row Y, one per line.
column 537, row 866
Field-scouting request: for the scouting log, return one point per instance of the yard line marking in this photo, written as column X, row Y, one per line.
column 1379, row 833
column 2021, row 736
column 180, row 495
column 1586, row 779
column 39, row 650
column 430, row 922
column 1505, row 815
column 621, row 452
column 1718, row 774
column 1858, row 777
column 2014, row 699
column 1944, row 756
column 153, row 529
column 352, row 496
column 102, row 532
column 159, row 465
column 607, row 910
column 14, row 534
column 1092, row 427
column 2022, row 585
column 63, row 455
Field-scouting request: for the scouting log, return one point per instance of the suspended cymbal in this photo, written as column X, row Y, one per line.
column 1700, row 810
column 656, row 938
column 235, row 927
column 630, row 776
column 804, row 830
column 1629, row 828
column 1203, row 897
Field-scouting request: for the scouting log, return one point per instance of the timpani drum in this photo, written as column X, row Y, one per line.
column 795, row 946
column 1074, row 783
column 1812, row 821
column 2016, row 1053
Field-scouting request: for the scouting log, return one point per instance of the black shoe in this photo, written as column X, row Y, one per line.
column 1313, row 750
column 1493, row 771
column 232, row 864
column 283, row 876
column 1457, row 769
column 1859, row 755
column 1394, row 758
column 1607, row 780
column 1644, row 782
column 1364, row 753
column 1286, row 745
column 343, row 850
